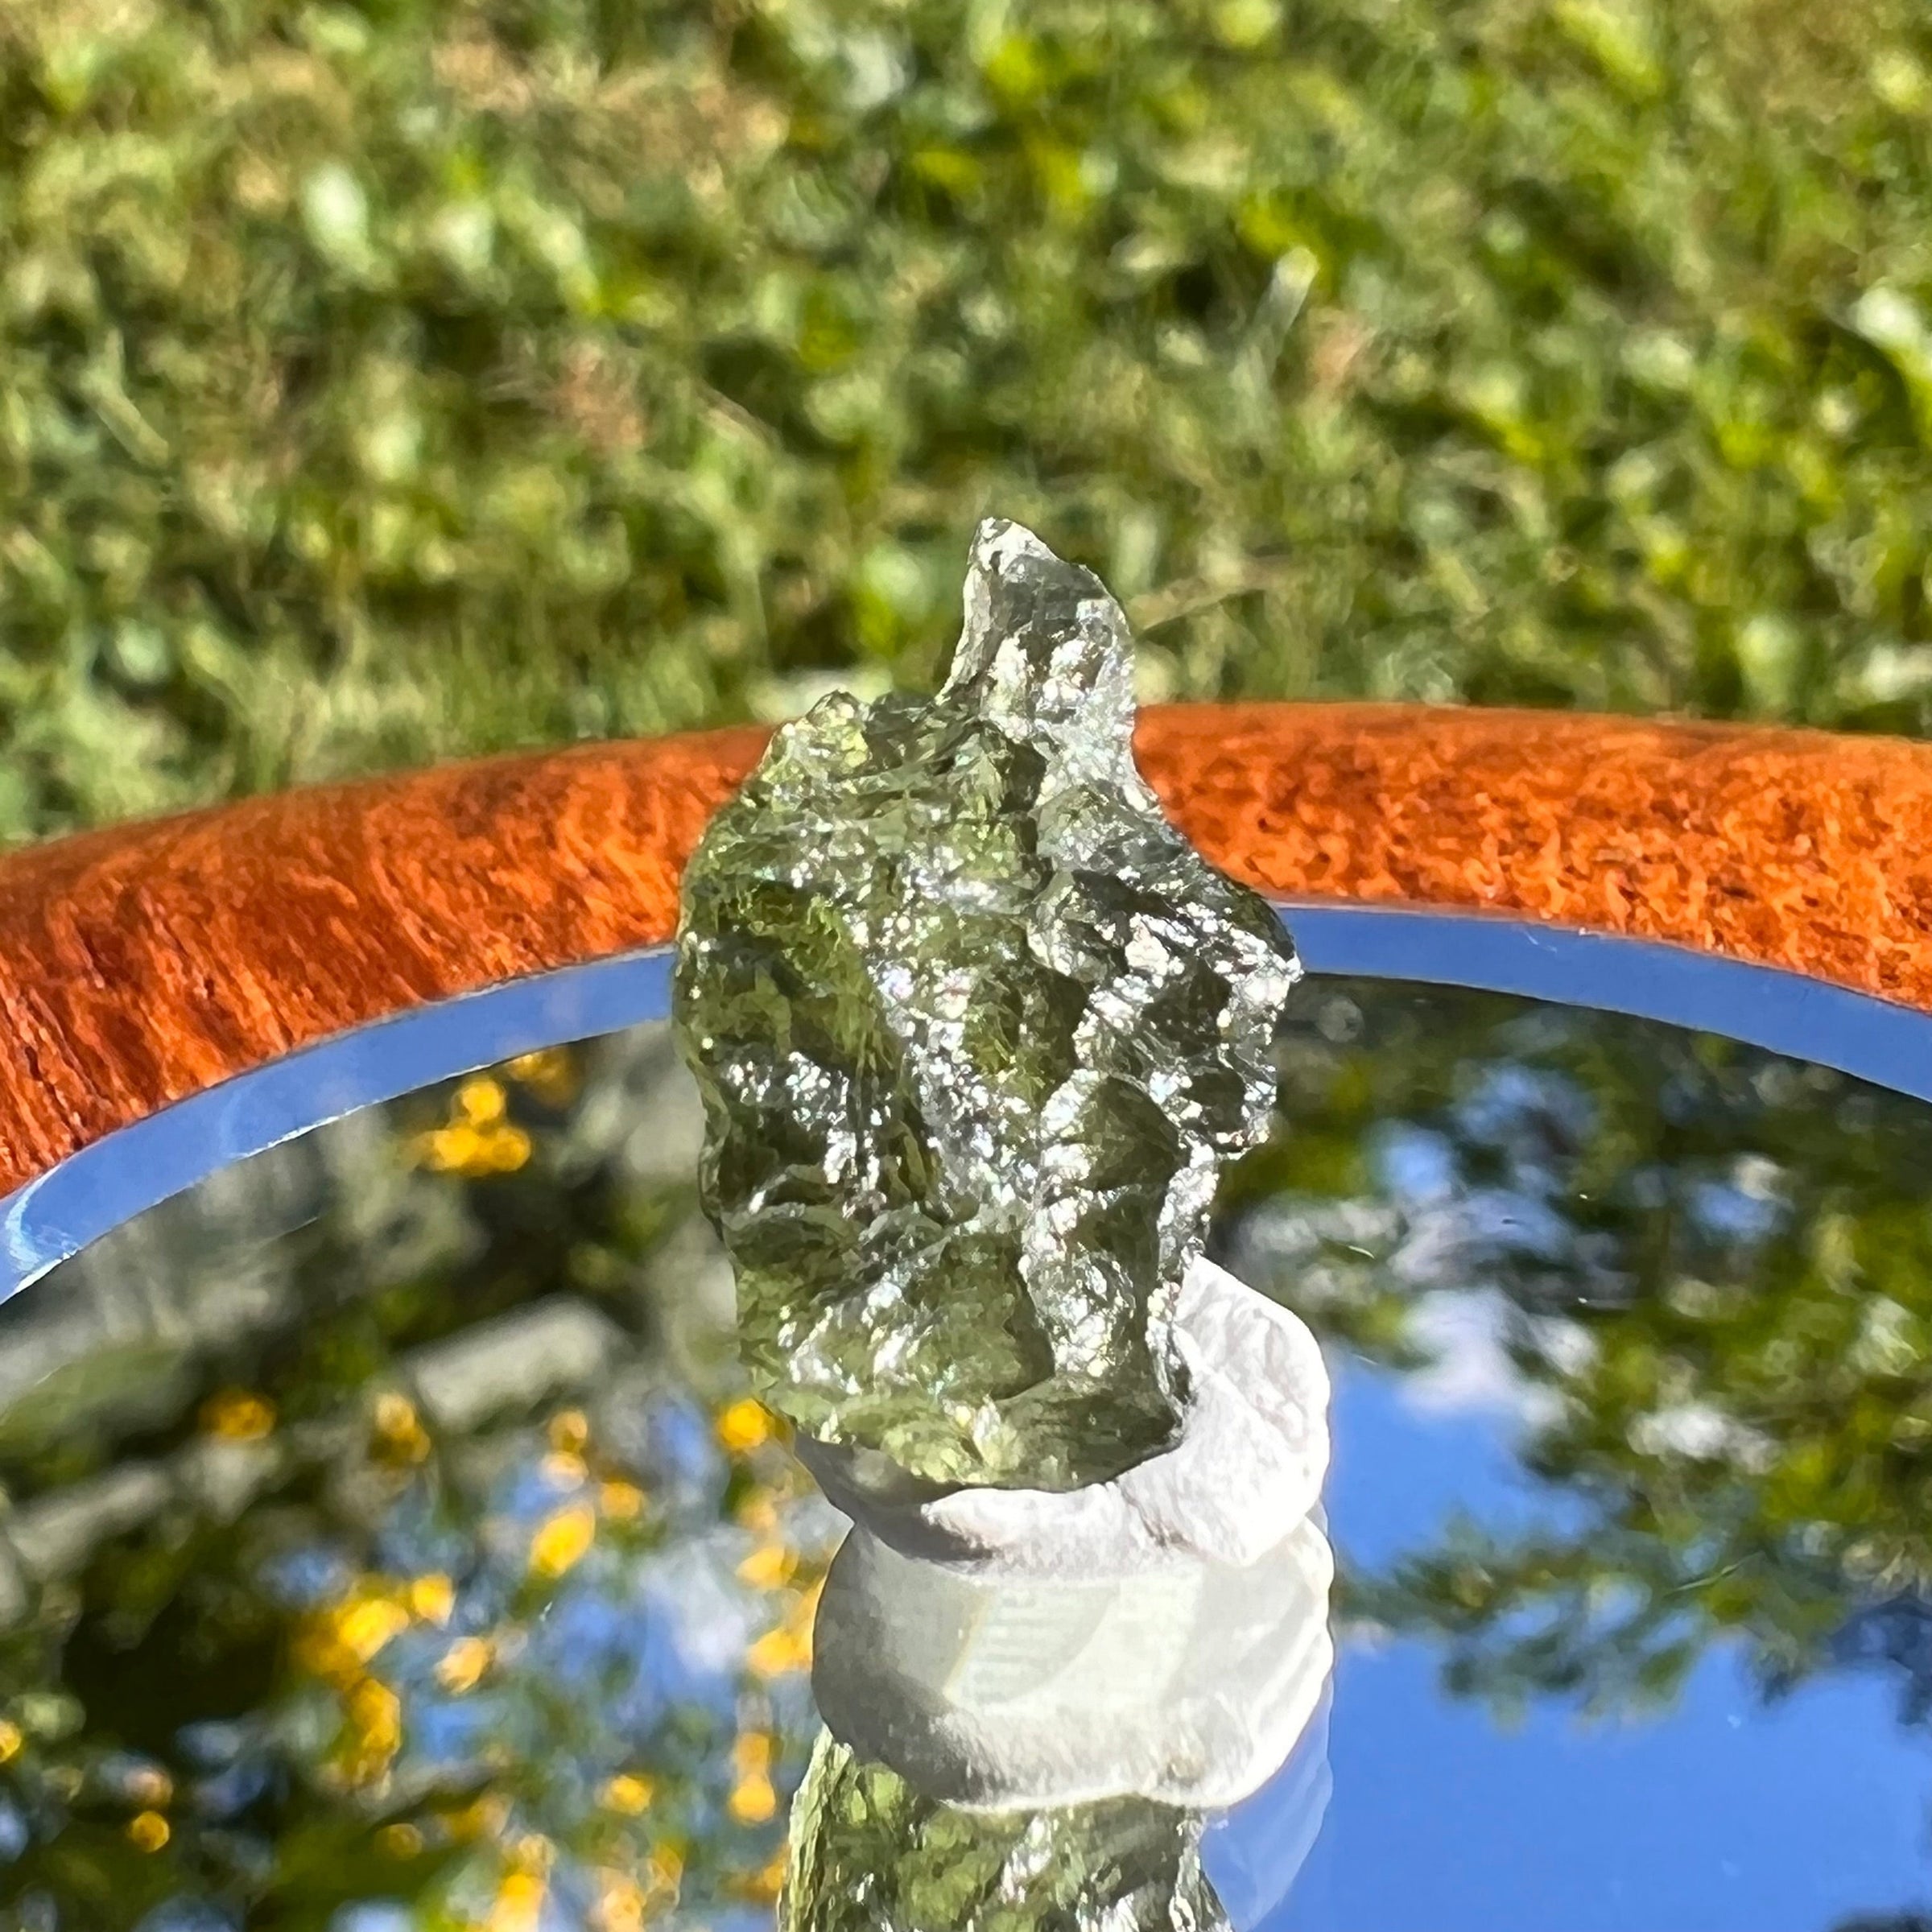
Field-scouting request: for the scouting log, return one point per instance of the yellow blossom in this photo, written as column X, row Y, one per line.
column 463, row 1664
column 569, row 1431
column 779, row 1653
column 619, row 1905
column 375, row 1716
column 758, row 1512
column 478, row 1139
column 480, row 1100
column 769, row 1567
column 519, row 1902
column 788, row 1648
column 364, row 1627
column 550, row 1075
column 744, row 1426
column 628, row 1793
column 149, row 1830
column 562, row 1538
column 753, row 1801
column 767, row 1882
column 432, row 1598
column 533, row 1852
column 236, row 1416
column 484, row 1818
column 11, row 1740
column 397, row 1423
column 622, row 1502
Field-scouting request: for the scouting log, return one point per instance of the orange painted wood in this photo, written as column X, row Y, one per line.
column 145, row 962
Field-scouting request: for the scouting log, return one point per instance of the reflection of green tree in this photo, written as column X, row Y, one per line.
column 1717, row 1271
column 360, row 1519
column 427, row 1492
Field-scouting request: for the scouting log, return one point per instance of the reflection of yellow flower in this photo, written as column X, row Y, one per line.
column 336, row 1643
column 779, row 1652
column 628, row 1793
column 375, row 1714
column 484, row 1818
column 569, row 1431
column 480, row 1101
column 478, row 1140
column 758, row 1513
column 519, row 1902
column 788, row 1648
column 432, row 1598
column 563, row 1539
column 463, row 1664
column 533, row 1852
column 622, row 1904
column 769, row 1567
column 753, row 1800
column 149, row 1831
column 744, row 1426
column 666, row 1869
column 768, row 1883
column 363, row 1629
column 619, row 1905
column 399, row 1426
column 11, row 1740
column 765, row 1883
column 622, row 1502
column 550, row 1075
column 237, row 1417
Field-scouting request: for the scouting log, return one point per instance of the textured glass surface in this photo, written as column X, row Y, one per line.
column 870, row 1855
column 975, row 1030
column 388, row 1544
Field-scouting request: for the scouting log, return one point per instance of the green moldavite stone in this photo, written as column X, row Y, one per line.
column 870, row 1854
column 975, row 1030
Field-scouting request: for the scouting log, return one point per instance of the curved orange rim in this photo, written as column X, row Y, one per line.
column 143, row 963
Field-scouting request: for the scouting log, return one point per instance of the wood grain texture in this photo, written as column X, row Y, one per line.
column 145, row 962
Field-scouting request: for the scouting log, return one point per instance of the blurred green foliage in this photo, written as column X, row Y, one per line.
column 388, row 380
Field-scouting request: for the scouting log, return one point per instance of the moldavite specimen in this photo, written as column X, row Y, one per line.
column 868, row 1854
column 975, row 1030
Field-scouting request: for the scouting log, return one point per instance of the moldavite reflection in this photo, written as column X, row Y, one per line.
column 870, row 1853
column 976, row 1028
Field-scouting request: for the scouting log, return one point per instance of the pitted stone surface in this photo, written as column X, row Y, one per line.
column 975, row 1030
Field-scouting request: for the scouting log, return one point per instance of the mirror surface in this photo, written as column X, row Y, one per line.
column 389, row 1543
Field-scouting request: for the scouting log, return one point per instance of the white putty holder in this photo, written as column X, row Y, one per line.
column 1164, row 1634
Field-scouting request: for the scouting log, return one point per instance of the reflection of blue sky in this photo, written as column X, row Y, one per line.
column 1523, row 1127
column 1417, row 1166
column 1527, row 1113
column 1723, row 1816
column 1744, row 1211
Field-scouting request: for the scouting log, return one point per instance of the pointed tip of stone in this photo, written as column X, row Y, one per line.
column 1046, row 646
column 996, row 540
column 999, row 545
